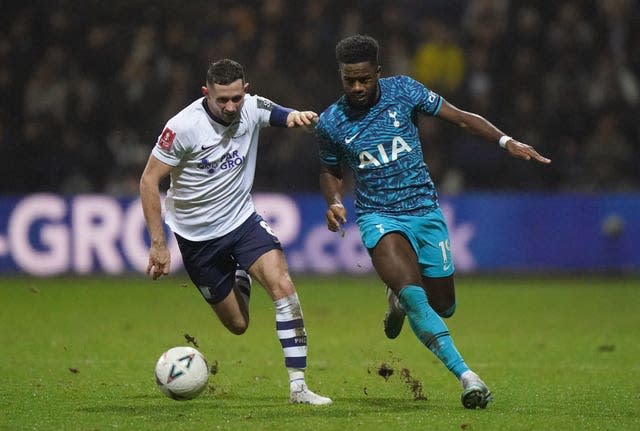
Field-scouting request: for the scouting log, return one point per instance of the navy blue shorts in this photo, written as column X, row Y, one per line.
column 212, row 264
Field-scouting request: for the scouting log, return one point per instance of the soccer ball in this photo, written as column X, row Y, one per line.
column 182, row 373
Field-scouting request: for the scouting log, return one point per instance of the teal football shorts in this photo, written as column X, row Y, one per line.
column 427, row 234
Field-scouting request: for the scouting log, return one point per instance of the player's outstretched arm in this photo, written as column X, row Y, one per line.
column 479, row 126
column 159, row 256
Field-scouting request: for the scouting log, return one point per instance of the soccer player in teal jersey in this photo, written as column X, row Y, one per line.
column 372, row 128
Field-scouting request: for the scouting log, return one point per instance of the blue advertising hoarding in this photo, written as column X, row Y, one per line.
column 47, row 234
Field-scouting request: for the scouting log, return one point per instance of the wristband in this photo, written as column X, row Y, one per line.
column 503, row 141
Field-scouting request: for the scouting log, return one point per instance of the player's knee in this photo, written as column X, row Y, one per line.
column 446, row 311
column 237, row 328
column 282, row 287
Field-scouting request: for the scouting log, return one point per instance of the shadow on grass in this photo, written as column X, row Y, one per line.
column 254, row 407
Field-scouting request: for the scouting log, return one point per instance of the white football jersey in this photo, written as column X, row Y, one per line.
column 214, row 166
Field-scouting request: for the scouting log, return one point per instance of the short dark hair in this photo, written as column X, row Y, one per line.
column 224, row 72
column 357, row 49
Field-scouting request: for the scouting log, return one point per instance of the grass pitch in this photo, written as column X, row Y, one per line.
column 559, row 354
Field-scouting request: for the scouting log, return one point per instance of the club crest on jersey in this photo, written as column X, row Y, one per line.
column 165, row 140
column 264, row 104
column 393, row 114
column 381, row 157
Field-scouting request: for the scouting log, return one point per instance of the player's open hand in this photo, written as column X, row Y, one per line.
column 304, row 119
column 336, row 216
column 159, row 261
column 524, row 151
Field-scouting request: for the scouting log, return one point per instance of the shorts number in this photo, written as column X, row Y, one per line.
column 444, row 248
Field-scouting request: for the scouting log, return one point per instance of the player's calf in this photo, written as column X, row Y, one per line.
column 233, row 310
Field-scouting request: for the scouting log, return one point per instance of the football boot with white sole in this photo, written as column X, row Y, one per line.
column 394, row 319
column 475, row 393
column 301, row 394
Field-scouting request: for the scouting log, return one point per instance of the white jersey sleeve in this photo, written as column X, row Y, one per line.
column 213, row 168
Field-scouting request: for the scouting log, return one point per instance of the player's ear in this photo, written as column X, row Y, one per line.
column 246, row 87
column 205, row 90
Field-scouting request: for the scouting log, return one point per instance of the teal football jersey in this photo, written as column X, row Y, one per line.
column 382, row 147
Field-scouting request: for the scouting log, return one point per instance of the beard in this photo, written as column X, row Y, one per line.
column 360, row 102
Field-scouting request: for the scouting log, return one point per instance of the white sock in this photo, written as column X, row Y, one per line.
column 292, row 336
column 296, row 378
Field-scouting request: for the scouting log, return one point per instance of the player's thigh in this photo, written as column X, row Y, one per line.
column 259, row 251
column 396, row 262
column 392, row 247
column 272, row 272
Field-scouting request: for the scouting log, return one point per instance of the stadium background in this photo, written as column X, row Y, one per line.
column 87, row 87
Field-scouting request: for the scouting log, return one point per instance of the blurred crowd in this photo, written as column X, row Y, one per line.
column 88, row 86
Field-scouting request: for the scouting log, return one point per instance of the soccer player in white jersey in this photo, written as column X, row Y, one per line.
column 209, row 150
column 373, row 129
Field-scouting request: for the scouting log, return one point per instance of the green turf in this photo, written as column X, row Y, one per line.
column 559, row 354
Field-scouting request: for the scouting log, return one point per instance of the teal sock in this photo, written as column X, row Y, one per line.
column 431, row 329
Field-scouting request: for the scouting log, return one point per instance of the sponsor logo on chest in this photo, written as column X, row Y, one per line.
column 227, row 161
column 381, row 156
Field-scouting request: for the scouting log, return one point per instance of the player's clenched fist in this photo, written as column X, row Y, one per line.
column 305, row 119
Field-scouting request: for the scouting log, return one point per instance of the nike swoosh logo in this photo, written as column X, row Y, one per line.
column 348, row 140
column 446, row 267
column 205, row 147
